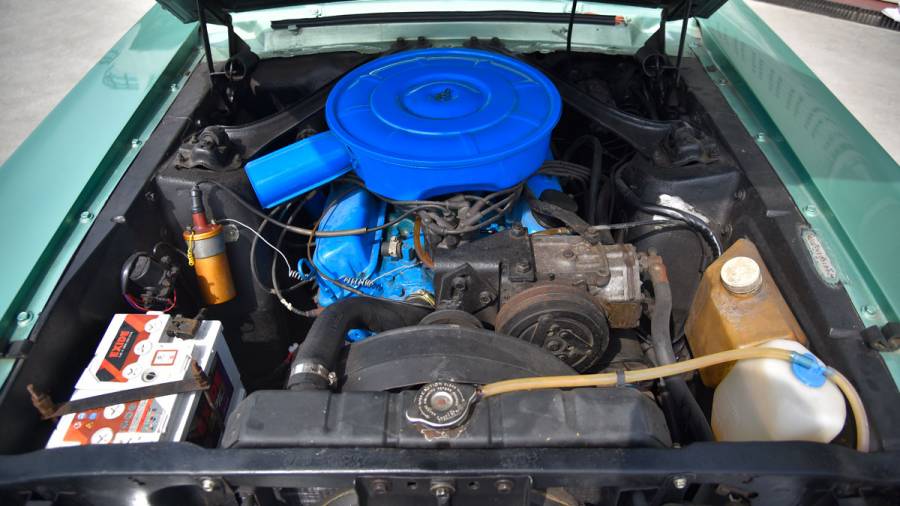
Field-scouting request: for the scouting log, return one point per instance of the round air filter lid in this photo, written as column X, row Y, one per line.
column 442, row 107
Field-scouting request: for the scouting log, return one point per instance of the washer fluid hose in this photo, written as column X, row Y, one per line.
column 860, row 417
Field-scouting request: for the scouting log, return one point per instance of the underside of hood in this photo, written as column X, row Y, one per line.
column 186, row 10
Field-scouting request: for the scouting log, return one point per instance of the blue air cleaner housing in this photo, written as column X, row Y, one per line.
column 422, row 123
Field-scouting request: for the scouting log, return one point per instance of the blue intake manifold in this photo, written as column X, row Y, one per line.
column 383, row 263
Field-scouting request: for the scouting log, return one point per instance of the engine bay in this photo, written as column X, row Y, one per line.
column 453, row 248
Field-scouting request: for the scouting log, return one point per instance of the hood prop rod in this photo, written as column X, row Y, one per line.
column 241, row 59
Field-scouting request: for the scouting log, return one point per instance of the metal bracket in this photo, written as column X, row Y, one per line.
column 463, row 288
column 182, row 328
column 224, row 147
column 444, row 490
column 17, row 349
column 196, row 381
column 887, row 338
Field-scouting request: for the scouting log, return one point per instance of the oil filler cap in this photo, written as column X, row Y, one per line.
column 741, row 275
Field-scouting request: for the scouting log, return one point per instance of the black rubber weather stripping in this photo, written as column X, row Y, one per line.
column 840, row 11
column 447, row 17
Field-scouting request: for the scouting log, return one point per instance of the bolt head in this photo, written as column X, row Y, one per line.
column 522, row 266
column 485, row 297
column 136, row 143
column 208, row 484
column 503, row 486
column 680, row 482
column 24, row 317
column 870, row 310
column 810, row 210
column 379, row 487
column 517, row 230
column 86, row 217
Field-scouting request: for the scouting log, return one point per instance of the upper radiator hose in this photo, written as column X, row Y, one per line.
column 314, row 362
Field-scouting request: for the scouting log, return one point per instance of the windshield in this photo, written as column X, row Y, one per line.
column 367, row 26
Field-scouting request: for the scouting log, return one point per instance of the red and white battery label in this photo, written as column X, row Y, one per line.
column 124, row 351
column 146, row 362
column 164, row 357
column 122, row 423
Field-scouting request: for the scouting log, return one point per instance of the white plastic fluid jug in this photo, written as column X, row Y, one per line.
column 774, row 400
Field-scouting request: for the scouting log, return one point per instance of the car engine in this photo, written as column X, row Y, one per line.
column 436, row 248
column 468, row 239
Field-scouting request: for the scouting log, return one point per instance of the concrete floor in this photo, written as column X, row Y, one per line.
column 860, row 64
column 46, row 47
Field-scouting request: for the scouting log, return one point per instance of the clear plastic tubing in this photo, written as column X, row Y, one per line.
column 613, row 379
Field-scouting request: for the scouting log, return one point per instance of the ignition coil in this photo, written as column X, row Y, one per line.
column 206, row 254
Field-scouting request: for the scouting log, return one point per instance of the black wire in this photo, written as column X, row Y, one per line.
column 616, row 170
column 477, row 222
column 574, row 168
column 674, row 228
column 170, row 246
column 254, row 272
column 595, row 173
column 476, row 213
column 275, row 287
column 684, row 24
column 305, row 231
column 634, row 224
column 569, row 31
column 670, row 212
column 253, row 269
column 125, row 272
column 339, row 284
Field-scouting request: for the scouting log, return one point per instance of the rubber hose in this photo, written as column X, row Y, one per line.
column 860, row 417
column 660, row 335
column 681, row 401
column 325, row 338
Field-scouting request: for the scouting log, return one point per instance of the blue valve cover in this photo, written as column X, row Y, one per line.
column 422, row 123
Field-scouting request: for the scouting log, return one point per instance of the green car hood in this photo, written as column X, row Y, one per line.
column 186, row 10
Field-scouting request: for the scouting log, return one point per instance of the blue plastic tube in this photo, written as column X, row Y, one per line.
column 298, row 168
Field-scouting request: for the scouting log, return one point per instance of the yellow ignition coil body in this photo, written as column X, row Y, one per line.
column 206, row 252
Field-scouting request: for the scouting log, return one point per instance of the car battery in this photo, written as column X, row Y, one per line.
column 140, row 350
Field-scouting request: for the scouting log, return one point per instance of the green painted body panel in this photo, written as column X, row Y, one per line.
column 846, row 184
column 57, row 180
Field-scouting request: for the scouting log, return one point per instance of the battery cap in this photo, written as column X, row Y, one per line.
column 741, row 275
